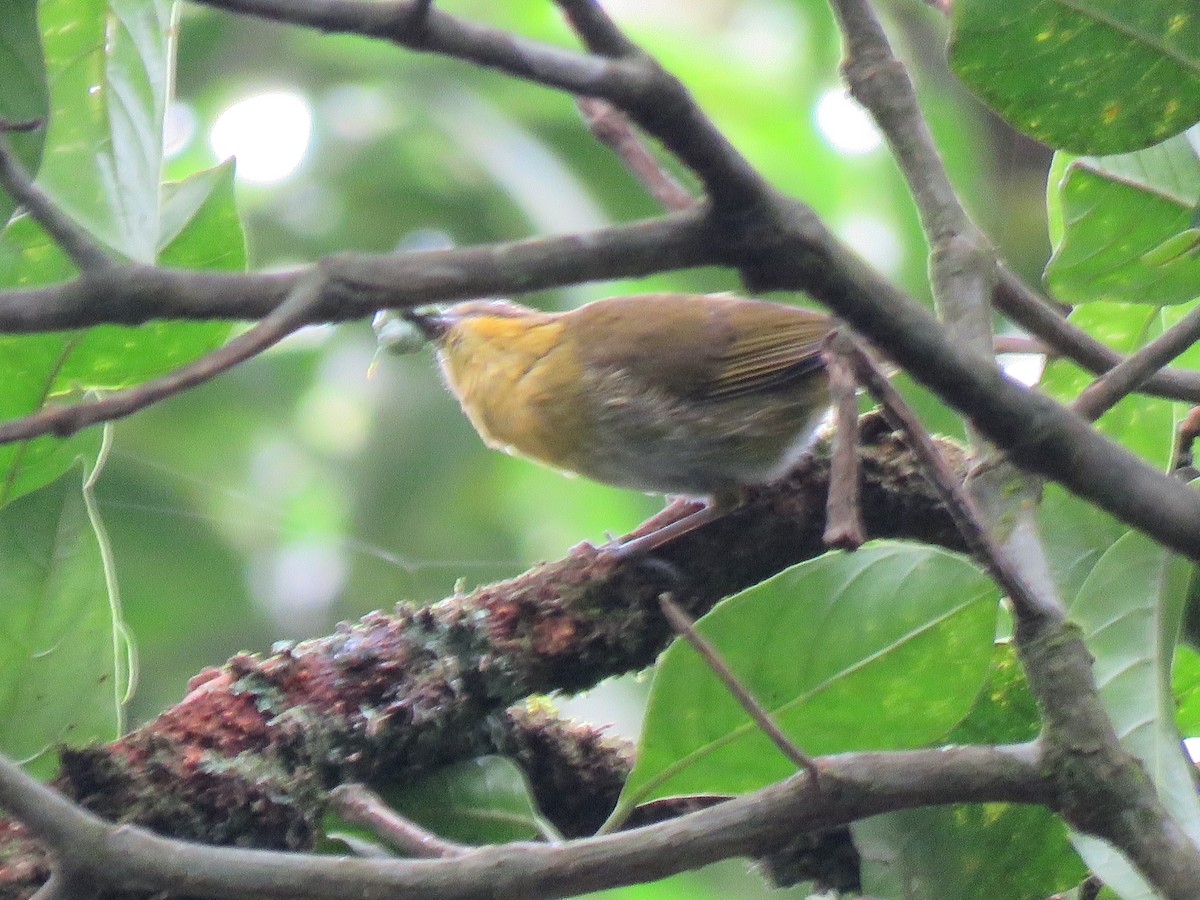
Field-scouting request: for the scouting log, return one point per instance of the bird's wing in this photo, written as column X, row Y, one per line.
column 771, row 350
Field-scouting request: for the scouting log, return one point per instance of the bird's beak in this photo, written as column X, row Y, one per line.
column 433, row 325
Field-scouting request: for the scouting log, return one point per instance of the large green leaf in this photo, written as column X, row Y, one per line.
column 24, row 97
column 882, row 648
column 1126, row 225
column 1076, row 535
column 1130, row 607
column 994, row 851
column 987, row 851
column 1091, row 77
column 64, row 675
column 201, row 230
column 110, row 68
column 480, row 801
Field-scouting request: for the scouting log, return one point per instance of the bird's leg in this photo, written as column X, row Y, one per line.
column 710, row 511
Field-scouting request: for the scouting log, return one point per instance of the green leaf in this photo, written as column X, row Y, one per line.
column 23, row 74
column 1076, row 535
column 109, row 66
column 60, row 627
column 1185, row 683
column 1083, row 76
column 989, row 851
column 480, row 801
column 1005, row 712
column 29, row 365
column 985, row 851
column 1130, row 608
column 882, row 648
column 1126, row 226
column 200, row 225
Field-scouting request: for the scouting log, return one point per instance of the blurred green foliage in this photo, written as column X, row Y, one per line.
column 310, row 485
column 310, row 476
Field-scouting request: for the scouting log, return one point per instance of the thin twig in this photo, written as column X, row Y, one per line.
column 612, row 128
column 686, row 629
column 1027, row 602
column 359, row 804
column 9, row 126
column 1186, row 432
column 1106, row 391
column 1042, row 318
column 291, row 314
column 74, row 240
column 843, row 513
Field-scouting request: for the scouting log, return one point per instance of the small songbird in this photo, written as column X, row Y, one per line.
column 694, row 395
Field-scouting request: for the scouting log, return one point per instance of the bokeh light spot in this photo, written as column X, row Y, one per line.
column 846, row 125
column 268, row 133
column 874, row 238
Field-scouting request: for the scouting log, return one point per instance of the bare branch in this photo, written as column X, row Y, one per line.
column 612, row 128
column 359, row 804
column 962, row 263
column 66, row 420
column 1019, row 343
column 958, row 502
column 599, row 32
column 860, row 784
column 1106, row 391
column 1043, row 319
column 420, row 25
column 360, row 284
column 843, row 518
column 632, row 81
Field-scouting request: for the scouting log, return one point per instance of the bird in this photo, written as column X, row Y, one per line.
column 694, row 395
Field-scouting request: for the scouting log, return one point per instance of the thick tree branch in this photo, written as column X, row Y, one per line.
column 853, row 786
column 420, row 688
column 360, row 284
